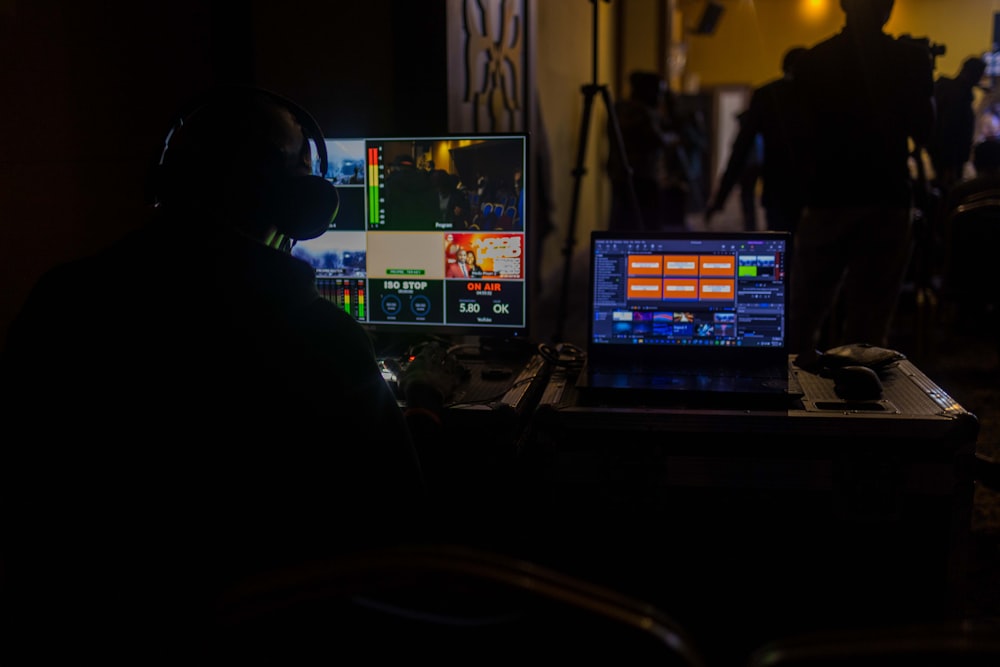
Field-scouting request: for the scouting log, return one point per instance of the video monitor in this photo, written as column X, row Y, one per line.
column 430, row 234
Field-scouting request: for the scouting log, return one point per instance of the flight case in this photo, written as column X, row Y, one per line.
column 830, row 512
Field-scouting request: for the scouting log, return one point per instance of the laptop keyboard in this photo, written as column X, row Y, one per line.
column 696, row 370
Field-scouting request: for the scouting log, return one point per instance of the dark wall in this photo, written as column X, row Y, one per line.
column 421, row 66
column 373, row 67
column 90, row 90
column 87, row 94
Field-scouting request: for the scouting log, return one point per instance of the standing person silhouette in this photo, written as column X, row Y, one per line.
column 988, row 117
column 773, row 117
column 950, row 145
column 647, row 143
column 184, row 408
column 749, row 177
column 865, row 96
column 686, row 160
column 986, row 164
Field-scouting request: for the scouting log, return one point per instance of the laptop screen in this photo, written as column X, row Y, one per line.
column 689, row 290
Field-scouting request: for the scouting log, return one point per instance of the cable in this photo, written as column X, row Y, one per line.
column 562, row 354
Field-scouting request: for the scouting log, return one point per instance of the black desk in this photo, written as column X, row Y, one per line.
column 760, row 522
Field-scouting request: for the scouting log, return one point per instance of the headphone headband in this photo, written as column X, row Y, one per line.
column 300, row 207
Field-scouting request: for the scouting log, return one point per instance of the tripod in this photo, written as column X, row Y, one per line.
column 590, row 91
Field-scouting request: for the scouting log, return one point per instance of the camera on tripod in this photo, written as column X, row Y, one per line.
column 933, row 50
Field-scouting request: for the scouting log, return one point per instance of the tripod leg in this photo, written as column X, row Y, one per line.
column 618, row 146
column 578, row 171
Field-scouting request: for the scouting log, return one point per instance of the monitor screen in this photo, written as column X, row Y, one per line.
column 430, row 234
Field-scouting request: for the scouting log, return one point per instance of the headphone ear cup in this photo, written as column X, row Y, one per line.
column 302, row 207
column 266, row 193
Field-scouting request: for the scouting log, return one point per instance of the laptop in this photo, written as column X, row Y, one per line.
column 689, row 318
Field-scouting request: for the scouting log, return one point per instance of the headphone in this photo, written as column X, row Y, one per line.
column 195, row 177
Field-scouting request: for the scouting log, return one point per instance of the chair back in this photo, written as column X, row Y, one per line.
column 450, row 605
column 959, row 643
column 972, row 236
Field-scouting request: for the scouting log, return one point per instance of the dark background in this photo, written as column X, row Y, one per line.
column 90, row 89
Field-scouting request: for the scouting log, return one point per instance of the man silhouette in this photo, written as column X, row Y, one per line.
column 176, row 404
column 950, row 146
column 865, row 96
column 986, row 162
column 772, row 117
column 647, row 142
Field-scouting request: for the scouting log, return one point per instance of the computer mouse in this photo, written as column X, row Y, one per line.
column 857, row 383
